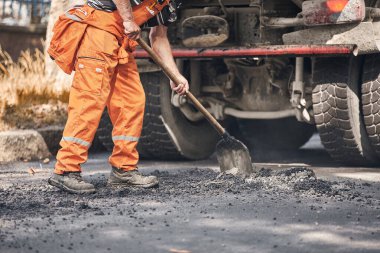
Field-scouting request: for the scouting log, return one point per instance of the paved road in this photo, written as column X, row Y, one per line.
column 195, row 210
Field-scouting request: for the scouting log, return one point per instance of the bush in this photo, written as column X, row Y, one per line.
column 28, row 98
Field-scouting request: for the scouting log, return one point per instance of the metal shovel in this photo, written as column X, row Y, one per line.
column 232, row 154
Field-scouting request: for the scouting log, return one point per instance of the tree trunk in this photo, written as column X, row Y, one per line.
column 61, row 80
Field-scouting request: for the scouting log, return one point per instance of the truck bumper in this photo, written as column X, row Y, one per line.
column 267, row 51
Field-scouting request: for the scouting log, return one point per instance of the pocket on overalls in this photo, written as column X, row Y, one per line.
column 89, row 74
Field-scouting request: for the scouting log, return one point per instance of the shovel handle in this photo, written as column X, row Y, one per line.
column 177, row 81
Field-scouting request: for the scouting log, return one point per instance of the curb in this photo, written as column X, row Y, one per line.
column 52, row 136
column 28, row 145
column 22, row 145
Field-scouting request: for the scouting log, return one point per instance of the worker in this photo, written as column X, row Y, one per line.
column 96, row 40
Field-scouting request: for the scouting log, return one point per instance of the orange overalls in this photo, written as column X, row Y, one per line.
column 89, row 41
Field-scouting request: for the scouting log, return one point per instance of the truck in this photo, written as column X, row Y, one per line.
column 273, row 72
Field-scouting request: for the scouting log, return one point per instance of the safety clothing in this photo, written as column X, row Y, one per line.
column 167, row 16
column 109, row 5
column 68, row 31
column 92, row 43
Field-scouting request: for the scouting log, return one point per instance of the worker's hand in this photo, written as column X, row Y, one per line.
column 183, row 86
column 132, row 30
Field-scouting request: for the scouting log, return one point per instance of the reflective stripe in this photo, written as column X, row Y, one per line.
column 125, row 138
column 76, row 140
column 73, row 17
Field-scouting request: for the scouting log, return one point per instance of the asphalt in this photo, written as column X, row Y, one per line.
column 296, row 202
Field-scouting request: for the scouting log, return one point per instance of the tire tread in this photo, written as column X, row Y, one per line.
column 334, row 121
column 371, row 99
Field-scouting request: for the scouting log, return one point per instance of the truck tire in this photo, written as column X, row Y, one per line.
column 278, row 134
column 371, row 99
column 337, row 113
column 166, row 134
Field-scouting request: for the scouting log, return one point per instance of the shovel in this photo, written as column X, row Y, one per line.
column 233, row 156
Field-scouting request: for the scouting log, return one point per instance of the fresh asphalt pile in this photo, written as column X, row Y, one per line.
column 299, row 180
column 21, row 200
column 32, row 205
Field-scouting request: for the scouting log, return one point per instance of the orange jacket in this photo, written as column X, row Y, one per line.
column 70, row 27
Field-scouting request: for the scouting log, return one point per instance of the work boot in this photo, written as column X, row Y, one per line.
column 71, row 182
column 120, row 177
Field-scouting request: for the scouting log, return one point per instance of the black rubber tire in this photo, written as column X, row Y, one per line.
column 371, row 99
column 278, row 134
column 337, row 113
column 166, row 134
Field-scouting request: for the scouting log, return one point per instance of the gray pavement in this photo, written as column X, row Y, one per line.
column 195, row 210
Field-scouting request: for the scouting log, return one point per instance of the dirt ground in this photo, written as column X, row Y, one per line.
column 296, row 202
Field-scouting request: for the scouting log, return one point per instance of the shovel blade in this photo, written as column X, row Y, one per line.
column 232, row 154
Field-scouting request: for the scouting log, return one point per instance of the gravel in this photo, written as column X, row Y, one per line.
column 20, row 200
column 192, row 209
